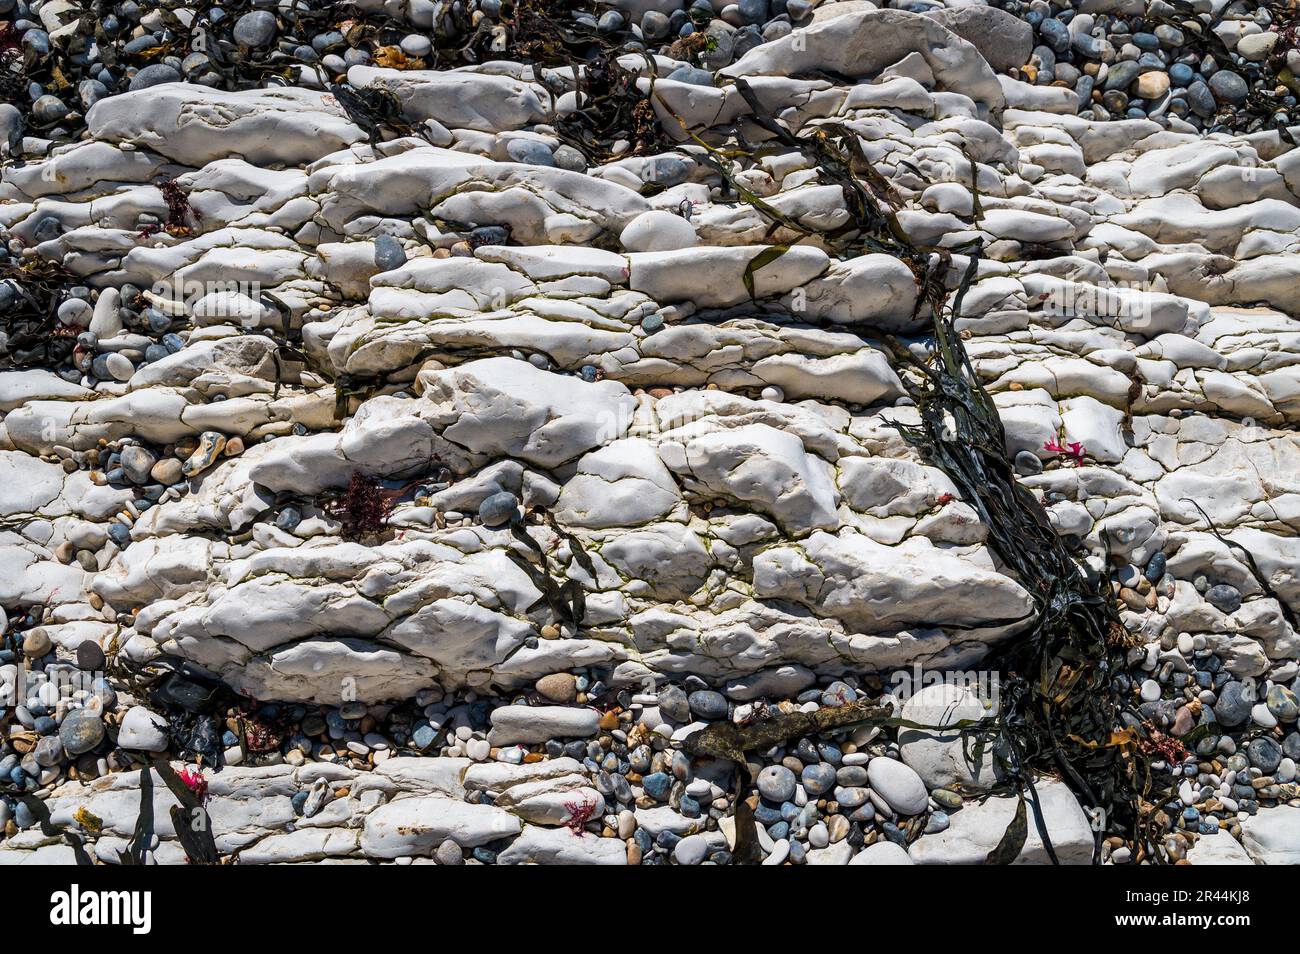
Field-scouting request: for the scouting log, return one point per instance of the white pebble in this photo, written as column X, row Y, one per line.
column 1262, row 716
column 780, row 851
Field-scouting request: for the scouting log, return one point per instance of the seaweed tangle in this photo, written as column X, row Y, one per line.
column 1063, row 711
column 30, row 295
column 564, row 597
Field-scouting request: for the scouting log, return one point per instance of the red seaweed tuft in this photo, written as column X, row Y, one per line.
column 363, row 507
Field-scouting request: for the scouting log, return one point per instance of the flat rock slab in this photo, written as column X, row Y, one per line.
column 977, row 829
column 416, row 826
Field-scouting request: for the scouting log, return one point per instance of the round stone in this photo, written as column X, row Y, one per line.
column 167, row 471
column 1152, row 85
column 1150, row 690
column 137, row 463
column 692, row 75
column 1257, row 46
column 899, row 785
column 154, row 75
column 498, row 509
column 882, row 853
column 654, row 25
column 389, row 253
column 559, row 687
column 81, row 731
column 119, row 366
column 1201, row 100
column 1232, row 708
column 415, row 45
column 658, row 784
column 1260, row 715
column 776, row 783
column 691, row 850
column 255, row 29
column 1027, row 464
column 566, row 157
column 819, row 778
column 754, row 11
column 530, row 152
column 1224, row 598
column 707, row 704
column 673, row 704
column 1282, row 703
column 288, row 519
column 49, row 109
column 940, row 755
column 947, row 798
column 142, row 731
column 449, row 853
column 658, row 231
column 36, row 643
column 1181, row 74
column 48, row 751
column 1229, row 88
column 90, row 658
column 1264, row 754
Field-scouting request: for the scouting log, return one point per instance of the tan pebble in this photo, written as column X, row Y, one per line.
column 558, row 687
column 1132, row 599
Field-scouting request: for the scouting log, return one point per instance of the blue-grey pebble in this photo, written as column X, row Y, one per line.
column 498, row 509
column 81, row 731
column 255, row 29
column 776, row 783
column 389, row 253
column 154, row 74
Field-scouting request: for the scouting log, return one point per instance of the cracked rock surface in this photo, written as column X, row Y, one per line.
column 706, row 424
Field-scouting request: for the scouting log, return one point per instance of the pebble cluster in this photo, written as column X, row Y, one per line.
column 1199, row 63
column 1215, row 66
column 844, row 797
